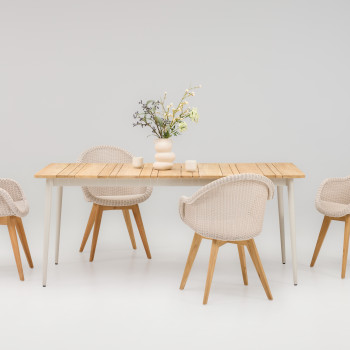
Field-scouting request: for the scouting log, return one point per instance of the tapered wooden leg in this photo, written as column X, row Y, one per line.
column 197, row 239
column 89, row 226
column 258, row 266
column 346, row 245
column 99, row 212
column 139, row 223
column 213, row 254
column 129, row 226
column 23, row 238
column 243, row 263
column 320, row 239
column 13, row 236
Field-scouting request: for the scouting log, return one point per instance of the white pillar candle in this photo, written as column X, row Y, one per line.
column 137, row 162
column 191, row 165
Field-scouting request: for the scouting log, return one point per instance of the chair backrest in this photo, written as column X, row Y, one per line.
column 231, row 208
column 108, row 154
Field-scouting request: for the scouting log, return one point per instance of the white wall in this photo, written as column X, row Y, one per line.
column 275, row 78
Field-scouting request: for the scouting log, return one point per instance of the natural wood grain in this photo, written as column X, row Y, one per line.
column 146, row 171
column 13, row 236
column 250, row 168
column 76, row 170
column 23, row 239
column 66, row 171
column 209, row 171
column 129, row 227
column 266, row 170
column 242, row 260
column 128, row 171
column 346, row 245
column 275, row 171
column 90, row 171
column 168, row 174
column 51, row 170
column 321, row 236
column 89, row 226
column 225, row 169
column 289, row 170
column 213, row 255
column 139, row 223
column 197, row 239
column 258, row 266
column 98, row 218
column 107, row 170
column 116, row 170
column 234, row 169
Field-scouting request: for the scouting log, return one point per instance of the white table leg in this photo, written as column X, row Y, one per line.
column 281, row 221
column 290, row 185
column 48, row 198
column 58, row 221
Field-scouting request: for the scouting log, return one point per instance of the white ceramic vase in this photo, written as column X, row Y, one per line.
column 164, row 156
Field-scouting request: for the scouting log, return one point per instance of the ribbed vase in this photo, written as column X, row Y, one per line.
column 164, row 156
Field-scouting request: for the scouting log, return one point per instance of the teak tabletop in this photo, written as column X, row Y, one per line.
column 205, row 170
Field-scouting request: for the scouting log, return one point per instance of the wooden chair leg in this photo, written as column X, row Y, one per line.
column 197, row 239
column 11, row 225
column 345, row 246
column 243, row 263
column 139, row 223
column 23, row 238
column 213, row 254
column 99, row 211
column 129, row 226
column 89, row 226
column 258, row 266
column 320, row 239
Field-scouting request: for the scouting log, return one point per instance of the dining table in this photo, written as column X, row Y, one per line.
column 124, row 174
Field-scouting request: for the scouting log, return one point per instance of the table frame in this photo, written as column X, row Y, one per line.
column 62, row 182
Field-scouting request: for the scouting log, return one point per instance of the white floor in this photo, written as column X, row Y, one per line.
column 122, row 300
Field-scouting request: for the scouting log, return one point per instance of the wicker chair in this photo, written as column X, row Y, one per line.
column 228, row 210
column 333, row 201
column 123, row 198
column 14, row 206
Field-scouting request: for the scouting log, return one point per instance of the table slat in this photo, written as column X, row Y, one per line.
column 66, row 171
column 90, row 170
column 250, row 168
column 51, row 171
column 209, row 170
column 266, row 170
column 146, row 170
column 174, row 172
column 289, row 170
column 225, row 169
column 107, row 170
column 273, row 168
column 128, row 171
column 188, row 174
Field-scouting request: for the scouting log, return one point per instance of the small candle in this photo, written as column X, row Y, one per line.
column 191, row 165
column 137, row 162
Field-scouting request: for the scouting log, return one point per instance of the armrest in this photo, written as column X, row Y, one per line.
column 12, row 188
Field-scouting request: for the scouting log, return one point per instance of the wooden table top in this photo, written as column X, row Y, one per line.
column 205, row 170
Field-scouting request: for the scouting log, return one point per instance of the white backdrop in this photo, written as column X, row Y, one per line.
column 275, row 78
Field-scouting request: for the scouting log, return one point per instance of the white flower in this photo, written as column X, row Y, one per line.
column 186, row 90
column 182, row 126
column 194, row 116
column 186, row 102
column 192, row 93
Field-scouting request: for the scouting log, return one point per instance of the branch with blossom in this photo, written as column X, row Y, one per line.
column 167, row 121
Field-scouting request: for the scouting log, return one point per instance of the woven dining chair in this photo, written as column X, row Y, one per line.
column 333, row 201
column 122, row 198
column 228, row 210
column 14, row 206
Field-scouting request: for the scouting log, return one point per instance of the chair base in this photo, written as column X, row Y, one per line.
column 216, row 244
column 95, row 221
column 324, row 228
column 15, row 226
